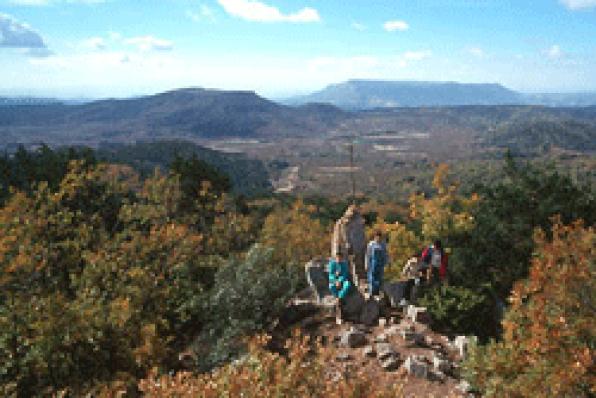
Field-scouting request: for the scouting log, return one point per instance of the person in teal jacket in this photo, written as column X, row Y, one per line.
column 339, row 276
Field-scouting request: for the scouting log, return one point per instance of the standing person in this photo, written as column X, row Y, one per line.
column 339, row 282
column 436, row 259
column 376, row 259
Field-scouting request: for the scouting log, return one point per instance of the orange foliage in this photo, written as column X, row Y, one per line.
column 550, row 329
column 295, row 235
column 303, row 373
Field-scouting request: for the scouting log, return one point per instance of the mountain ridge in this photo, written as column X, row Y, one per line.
column 363, row 94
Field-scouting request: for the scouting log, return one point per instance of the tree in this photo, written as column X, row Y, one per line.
column 497, row 250
column 446, row 214
column 402, row 244
column 550, row 329
column 294, row 235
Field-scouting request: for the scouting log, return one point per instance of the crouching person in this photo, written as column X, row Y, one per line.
column 339, row 282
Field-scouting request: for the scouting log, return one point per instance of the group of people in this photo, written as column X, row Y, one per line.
column 340, row 280
column 430, row 266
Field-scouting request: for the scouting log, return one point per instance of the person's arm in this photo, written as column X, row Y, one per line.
column 366, row 257
column 332, row 271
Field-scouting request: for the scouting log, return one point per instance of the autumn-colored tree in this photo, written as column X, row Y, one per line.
column 446, row 213
column 97, row 283
column 550, row 329
column 402, row 244
column 295, row 235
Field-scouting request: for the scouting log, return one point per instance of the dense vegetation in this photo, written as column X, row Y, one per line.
column 247, row 176
column 549, row 337
column 535, row 137
column 107, row 276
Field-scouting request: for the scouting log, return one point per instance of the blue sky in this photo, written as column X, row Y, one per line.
column 101, row 48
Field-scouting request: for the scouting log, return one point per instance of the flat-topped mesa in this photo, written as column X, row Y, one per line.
column 350, row 240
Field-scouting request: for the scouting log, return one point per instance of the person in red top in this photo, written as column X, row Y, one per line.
column 435, row 258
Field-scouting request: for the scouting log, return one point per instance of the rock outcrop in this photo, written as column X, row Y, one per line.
column 350, row 240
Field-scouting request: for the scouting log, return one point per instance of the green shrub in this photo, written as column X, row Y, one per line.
column 458, row 310
column 248, row 295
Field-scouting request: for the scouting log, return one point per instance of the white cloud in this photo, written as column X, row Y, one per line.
column 205, row 13
column 417, row 55
column 114, row 36
column 18, row 34
column 477, row 52
column 256, row 11
column 579, row 4
column 149, row 43
column 95, row 43
column 38, row 3
column 358, row 26
column 392, row 26
column 554, row 52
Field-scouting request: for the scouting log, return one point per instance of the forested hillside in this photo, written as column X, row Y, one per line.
column 241, row 175
column 111, row 282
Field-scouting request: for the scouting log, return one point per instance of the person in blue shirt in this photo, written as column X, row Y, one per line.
column 339, row 276
column 376, row 260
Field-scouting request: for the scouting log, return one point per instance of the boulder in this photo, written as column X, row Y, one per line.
column 413, row 337
column 462, row 343
column 370, row 313
column 353, row 338
column 381, row 338
column 418, row 314
column 397, row 291
column 318, row 279
column 437, row 375
column 369, row 351
column 464, row 387
column 390, row 363
column 343, row 357
column 309, row 323
column 350, row 239
column 384, row 350
column 441, row 364
column 352, row 305
column 416, row 367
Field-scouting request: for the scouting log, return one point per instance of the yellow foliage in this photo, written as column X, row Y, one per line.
column 402, row 244
column 446, row 213
column 294, row 235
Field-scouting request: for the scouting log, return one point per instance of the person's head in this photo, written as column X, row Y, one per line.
column 378, row 236
column 339, row 256
column 438, row 245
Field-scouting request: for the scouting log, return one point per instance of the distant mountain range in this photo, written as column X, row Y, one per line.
column 13, row 101
column 192, row 112
column 484, row 117
column 370, row 94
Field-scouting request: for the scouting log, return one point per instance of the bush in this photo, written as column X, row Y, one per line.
column 248, row 295
column 498, row 249
column 550, row 330
column 458, row 310
column 265, row 374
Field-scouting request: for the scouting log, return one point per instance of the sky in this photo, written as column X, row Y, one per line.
column 278, row 48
